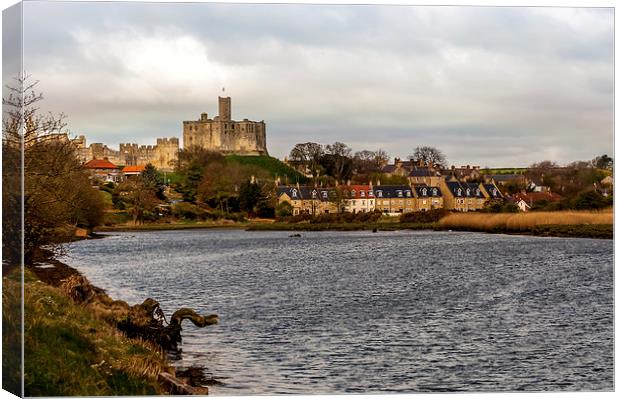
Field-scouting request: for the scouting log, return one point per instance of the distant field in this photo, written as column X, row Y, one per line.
column 274, row 166
column 502, row 171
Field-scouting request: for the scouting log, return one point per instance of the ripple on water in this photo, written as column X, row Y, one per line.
column 335, row 312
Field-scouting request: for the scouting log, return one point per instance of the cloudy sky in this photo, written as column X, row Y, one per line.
column 492, row 86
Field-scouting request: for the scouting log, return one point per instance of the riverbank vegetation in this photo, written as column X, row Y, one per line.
column 70, row 350
column 597, row 224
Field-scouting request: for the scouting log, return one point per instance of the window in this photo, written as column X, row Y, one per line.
column 459, row 192
column 371, row 194
column 477, row 191
column 352, row 193
column 314, row 193
column 468, row 192
column 362, row 194
column 408, row 193
column 294, row 193
column 363, row 202
column 399, row 193
column 353, row 202
column 324, row 194
column 380, row 193
column 495, row 192
column 424, row 192
column 434, row 192
column 424, row 202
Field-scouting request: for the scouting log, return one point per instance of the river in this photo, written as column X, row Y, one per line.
column 353, row 312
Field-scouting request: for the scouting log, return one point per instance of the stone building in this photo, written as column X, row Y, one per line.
column 224, row 135
column 162, row 155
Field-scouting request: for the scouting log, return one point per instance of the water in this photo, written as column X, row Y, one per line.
column 336, row 312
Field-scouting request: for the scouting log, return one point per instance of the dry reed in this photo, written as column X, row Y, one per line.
column 524, row 221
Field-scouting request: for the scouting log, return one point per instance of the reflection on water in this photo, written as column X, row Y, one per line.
column 335, row 312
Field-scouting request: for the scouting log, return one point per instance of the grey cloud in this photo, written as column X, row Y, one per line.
column 510, row 83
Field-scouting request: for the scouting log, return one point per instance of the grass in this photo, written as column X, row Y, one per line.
column 71, row 351
column 274, row 166
column 180, row 225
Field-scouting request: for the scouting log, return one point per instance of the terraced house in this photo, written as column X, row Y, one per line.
column 358, row 198
column 427, row 198
column 461, row 196
column 308, row 200
column 394, row 199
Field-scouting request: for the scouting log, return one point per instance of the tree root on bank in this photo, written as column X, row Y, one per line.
column 145, row 320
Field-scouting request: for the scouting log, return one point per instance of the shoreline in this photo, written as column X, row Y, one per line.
column 54, row 277
column 597, row 231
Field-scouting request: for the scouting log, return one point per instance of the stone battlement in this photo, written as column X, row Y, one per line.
column 162, row 155
column 224, row 135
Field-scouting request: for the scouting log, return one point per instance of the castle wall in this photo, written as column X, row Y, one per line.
column 163, row 155
column 221, row 134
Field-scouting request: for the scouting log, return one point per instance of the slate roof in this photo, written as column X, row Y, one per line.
column 358, row 191
column 395, row 191
column 474, row 189
column 427, row 191
column 421, row 171
column 305, row 192
column 492, row 190
column 464, row 190
column 388, row 169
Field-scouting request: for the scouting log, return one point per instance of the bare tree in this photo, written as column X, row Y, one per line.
column 56, row 190
column 429, row 155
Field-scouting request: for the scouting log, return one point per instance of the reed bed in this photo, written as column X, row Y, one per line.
column 524, row 221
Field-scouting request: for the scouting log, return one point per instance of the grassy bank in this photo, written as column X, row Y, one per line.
column 172, row 226
column 71, row 350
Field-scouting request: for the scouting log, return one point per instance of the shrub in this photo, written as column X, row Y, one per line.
column 185, row 210
column 284, row 209
column 431, row 216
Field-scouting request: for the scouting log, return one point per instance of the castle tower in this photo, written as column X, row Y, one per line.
column 224, row 103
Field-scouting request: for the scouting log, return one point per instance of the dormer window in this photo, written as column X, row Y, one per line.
column 495, row 192
column 408, row 193
column 477, row 191
column 362, row 194
column 380, row 193
column 352, row 193
column 459, row 192
column 399, row 193
column 467, row 192
column 434, row 192
column 371, row 194
column 324, row 194
column 294, row 193
column 314, row 193
column 424, row 192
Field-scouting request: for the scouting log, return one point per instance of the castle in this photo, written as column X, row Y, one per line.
column 162, row 155
column 224, row 135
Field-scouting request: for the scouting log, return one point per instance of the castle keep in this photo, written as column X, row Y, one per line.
column 224, row 135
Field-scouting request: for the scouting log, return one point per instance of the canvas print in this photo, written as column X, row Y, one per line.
column 263, row 199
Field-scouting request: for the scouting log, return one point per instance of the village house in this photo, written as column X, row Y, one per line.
column 461, row 196
column 532, row 198
column 103, row 170
column 427, row 198
column 129, row 171
column 394, row 199
column 358, row 198
column 308, row 200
